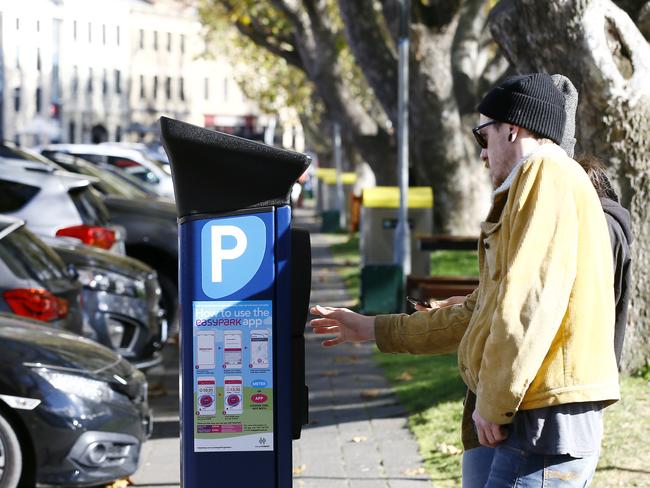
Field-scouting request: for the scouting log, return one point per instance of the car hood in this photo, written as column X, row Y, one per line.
column 145, row 207
column 73, row 252
column 25, row 342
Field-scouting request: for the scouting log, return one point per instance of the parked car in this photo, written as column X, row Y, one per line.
column 56, row 203
column 150, row 223
column 121, row 301
column 72, row 412
column 153, row 150
column 130, row 161
column 34, row 281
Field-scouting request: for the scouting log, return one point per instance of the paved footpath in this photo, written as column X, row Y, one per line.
column 357, row 435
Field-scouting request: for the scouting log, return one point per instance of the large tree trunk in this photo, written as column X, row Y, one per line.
column 441, row 155
column 600, row 49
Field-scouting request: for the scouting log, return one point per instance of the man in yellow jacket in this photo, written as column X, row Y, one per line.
column 535, row 340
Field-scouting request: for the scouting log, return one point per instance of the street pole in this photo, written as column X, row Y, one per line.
column 338, row 162
column 402, row 247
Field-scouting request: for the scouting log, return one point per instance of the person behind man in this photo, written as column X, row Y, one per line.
column 534, row 340
column 620, row 233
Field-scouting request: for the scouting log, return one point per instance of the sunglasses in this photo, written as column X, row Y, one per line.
column 480, row 138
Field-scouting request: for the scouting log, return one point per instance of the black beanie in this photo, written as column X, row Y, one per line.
column 529, row 101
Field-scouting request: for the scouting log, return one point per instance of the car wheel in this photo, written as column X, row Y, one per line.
column 11, row 459
column 169, row 302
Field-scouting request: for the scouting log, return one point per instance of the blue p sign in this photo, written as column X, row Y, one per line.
column 232, row 251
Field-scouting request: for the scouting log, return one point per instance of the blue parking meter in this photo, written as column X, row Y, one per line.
column 244, row 281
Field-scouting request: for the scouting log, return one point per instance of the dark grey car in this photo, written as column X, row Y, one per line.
column 121, row 299
column 34, row 281
column 72, row 412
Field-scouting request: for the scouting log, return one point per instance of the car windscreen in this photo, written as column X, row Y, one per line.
column 90, row 207
column 14, row 195
column 29, row 258
column 134, row 168
column 108, row 183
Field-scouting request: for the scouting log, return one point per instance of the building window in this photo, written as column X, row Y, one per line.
column 155, row 87
column 89, row 86
column 155, row 40
column 169, row 41
column 118, row 81
column 72, row 127
column 38, row 59
column 90, row 32
column 183, row 43
column 168, row 88
column 118, row 133
column 117, row 35
column 38, row 26
column 74, row 30
column 17, row 24
column 181, row 89
column 206, row 88
column 104, row 82
column 142, row 91
column 17, row 99
column 39, row 100
column 104, row 34
column 141, row 39
column 75, row 80
column 225, row 89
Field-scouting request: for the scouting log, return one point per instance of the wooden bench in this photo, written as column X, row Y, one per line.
column 438, row 287
column 439, row 242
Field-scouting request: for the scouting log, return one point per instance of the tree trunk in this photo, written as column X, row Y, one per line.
column 601, row 50
column 441, row 153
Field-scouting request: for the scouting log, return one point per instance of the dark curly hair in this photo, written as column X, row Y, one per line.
column 597, row 173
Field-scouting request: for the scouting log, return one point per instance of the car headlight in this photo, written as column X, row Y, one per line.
column 110, row 282
column 83, row 387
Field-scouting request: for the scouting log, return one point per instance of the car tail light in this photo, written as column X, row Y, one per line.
column 36, row 304
column 91, row 235
column 125, row 163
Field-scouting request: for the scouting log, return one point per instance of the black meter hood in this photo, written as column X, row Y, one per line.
column 215, row 172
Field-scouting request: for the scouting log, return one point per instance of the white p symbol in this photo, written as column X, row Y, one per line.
column 219, row 254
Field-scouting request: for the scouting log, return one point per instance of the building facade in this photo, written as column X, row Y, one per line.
column 98, row 70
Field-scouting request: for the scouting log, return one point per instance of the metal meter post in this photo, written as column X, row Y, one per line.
column 243, row 307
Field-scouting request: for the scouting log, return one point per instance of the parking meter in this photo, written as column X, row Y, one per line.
column 244, row 282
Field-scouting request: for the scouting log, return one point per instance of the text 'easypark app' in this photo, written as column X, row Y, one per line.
column 232, row 252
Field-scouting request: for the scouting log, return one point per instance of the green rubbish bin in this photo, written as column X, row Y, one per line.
column 379, row 210
column 326, row 197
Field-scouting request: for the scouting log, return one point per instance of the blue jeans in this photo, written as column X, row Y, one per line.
column 507, row 466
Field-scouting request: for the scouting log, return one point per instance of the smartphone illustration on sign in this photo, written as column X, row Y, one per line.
column 205, row 355
column 233, row 395
column 232, row 353
column 206, row 396
column 260, row 348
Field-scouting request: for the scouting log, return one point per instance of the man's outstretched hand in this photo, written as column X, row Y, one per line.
column 344, row 324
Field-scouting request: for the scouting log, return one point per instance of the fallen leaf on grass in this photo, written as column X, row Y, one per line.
column 359, row 438
column 299, row 469
column 405, row 376
column 373, row 393
column 449, row 449
column 414, row 471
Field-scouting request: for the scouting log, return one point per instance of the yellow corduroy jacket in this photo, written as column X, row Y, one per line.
column 539, row 329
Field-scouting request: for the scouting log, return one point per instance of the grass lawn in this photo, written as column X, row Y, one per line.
column 431, row 390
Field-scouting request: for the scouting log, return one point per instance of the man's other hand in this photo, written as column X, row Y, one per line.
column 436, row 304
column 344, row 324
column 489, row 434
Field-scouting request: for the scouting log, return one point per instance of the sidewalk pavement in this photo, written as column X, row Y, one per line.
column 357, row 435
